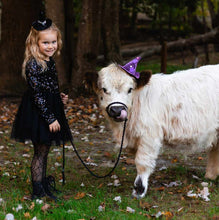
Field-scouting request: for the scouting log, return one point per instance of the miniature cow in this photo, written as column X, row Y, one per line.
column 180, row 110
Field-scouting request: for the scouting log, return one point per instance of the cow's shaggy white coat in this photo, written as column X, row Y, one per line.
column 180, row 110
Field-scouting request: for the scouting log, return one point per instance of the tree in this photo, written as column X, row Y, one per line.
column 55, row 11
column 16, row 22
column 110, row 30
column 214, row 13
column 214, row 19
column 69, row 36
column 88, row 42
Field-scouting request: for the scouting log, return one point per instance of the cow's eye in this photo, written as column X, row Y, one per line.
column 104, row 90
column 130, row 90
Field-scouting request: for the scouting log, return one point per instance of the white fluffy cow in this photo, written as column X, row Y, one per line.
column 180, row 110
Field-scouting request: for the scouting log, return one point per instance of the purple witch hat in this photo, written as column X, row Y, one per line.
column 131, row 66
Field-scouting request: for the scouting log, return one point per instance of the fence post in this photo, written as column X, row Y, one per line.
column 164, row 57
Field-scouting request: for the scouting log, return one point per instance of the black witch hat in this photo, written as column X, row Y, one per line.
column 42, row 23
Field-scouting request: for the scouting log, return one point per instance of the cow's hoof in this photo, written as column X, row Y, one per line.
column 139, row 190
column 211, row 176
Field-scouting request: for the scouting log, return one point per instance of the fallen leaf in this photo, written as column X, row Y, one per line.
column 19, row 207
column 130, row 210
column 102, row 207
column 204, row 194
column 107, row 154
column 130, row 161
column 67, row 197
column 160, row 188
column 79, row 195
column 192, row 195
column 116, row 182
column 26, row 197
column 157, row 215
column 45, row 207
column 114, row 177
column 168, row 215
column 174, row 160
column 39, row 201
column 9, row 216
column 100, row 186
column 147, row 215
column 180, row 209
column 118, row 199
column 32, row 205
column 26, row 215
column 172, row 184
column 144, row 205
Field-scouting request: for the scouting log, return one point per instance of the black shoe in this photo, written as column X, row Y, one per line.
column 38, row 190
column 50, row 180
column 48, row 188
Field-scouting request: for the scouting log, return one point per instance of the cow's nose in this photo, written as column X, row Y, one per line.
column 118, row 111
column 115, row 111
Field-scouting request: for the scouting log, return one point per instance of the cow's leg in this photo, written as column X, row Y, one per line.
column 212, row 170
column 145, row 161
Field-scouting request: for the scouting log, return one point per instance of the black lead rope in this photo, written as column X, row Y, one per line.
column 91, row 172
column 63, row 164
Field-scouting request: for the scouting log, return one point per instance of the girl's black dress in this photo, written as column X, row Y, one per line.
column 40, row 106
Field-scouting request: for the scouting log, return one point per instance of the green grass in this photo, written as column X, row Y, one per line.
column 97, row 191
column 15, row 187
column 155, row 67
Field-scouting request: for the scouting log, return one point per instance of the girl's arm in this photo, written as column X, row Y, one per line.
column 32, row 74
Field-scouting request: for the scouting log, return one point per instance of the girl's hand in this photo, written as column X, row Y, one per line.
column 54, row 127
column 64, row 98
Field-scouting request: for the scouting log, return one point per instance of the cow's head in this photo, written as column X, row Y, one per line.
column 115, row 89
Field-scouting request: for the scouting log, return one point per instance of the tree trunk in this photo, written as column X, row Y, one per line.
column 55, row 11
column 214, row 14
column 70, row 43
column 134, row 17
column 204, row 22
column 88, row 43
column 110, row 30
column 17, row 17
column 214, row 20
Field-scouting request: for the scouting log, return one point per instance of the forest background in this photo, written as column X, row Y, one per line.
column 96, row 32
column 169, row 35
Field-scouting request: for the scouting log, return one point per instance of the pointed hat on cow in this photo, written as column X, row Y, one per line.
column 131, row 67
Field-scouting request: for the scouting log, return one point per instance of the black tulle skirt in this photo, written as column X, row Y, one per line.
column 29, row 125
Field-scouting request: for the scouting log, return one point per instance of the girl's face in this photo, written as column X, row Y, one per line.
column 47, row 43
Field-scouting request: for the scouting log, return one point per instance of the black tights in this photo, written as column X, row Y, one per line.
column 39, row 162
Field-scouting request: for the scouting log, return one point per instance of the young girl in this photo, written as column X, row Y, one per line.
column 41, row 116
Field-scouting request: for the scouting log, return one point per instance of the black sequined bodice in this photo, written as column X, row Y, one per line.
column 40, row 83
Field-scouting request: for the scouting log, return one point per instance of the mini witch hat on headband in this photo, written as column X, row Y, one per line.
column 42, row 23
column 131, row 66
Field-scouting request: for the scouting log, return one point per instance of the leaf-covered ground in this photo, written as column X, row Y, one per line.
column 177, row 188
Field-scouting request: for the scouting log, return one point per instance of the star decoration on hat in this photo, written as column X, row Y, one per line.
column 42, row 23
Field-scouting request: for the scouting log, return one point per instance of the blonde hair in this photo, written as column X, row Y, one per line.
column 32, row 48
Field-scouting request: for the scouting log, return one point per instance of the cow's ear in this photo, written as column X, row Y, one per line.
column 144, row 78
column 91, row 81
